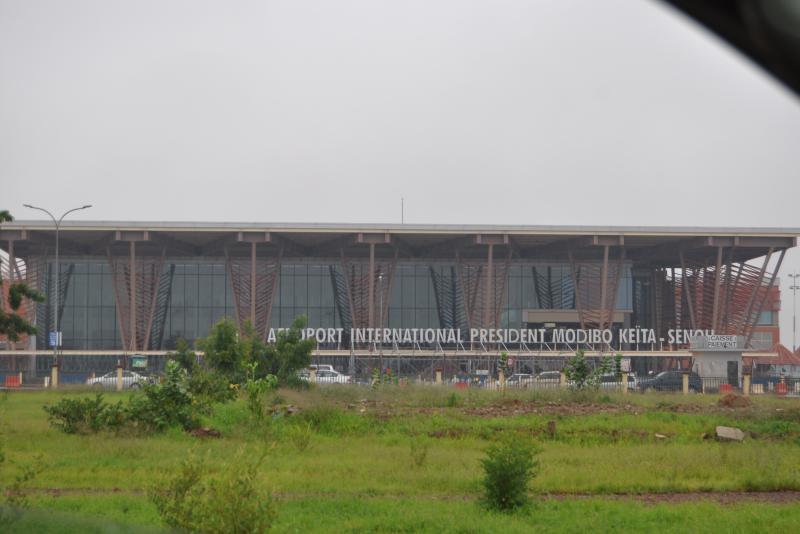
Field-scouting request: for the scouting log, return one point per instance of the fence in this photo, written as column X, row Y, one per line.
column 459, row 370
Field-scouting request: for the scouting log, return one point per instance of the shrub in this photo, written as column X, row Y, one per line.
column 231, row 502
column 84, row 416
column 159, row 407
column 580, row 372
column 184, row 355
column 453, row 401
column 508, row 467
column 300, row 436
column 209, row 386
column 256, row 390
column 168, row 404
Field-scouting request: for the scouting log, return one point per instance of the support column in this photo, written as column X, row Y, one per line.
column 746, row 384
column 132, row 298
column 717, row 276
column 488, row 304
column 253, row 284
column 685, row 288
column 685, row 377
column 603, row 287
column 54, row 376
column 574, row 275
column 119, row 378
column 371, row 288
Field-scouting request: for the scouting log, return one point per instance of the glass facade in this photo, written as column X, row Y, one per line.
column 199, row 294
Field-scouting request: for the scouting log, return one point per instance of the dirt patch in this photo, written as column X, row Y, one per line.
column 727, row 498
column 734, row 401
column 517, row 407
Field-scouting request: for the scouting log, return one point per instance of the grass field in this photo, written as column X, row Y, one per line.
column 608, row 462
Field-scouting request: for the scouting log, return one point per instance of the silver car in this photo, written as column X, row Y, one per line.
column 130, row 380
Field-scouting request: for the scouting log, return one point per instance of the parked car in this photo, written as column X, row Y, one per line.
column 326, row 376
column 670, row 381
column 612, row 382
column 522, row 380
column 549, row 376
column 130, row 380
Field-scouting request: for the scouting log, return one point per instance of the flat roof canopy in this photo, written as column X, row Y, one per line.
column 645, row 245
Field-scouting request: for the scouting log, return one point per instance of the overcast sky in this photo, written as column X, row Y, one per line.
column 551, row 112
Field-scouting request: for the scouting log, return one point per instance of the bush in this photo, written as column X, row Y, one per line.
column 508, row 467
column 209, row 386
column 159, row 407
column 256, row 390
column 300, row 436
column 231, row 502
column 579, row 371
column 168, row 404
column 84, row 416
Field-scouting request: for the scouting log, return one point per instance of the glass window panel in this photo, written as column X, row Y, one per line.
column 287, row 317
column 178, row 292
column 204, row 321
column 301, row 290
column 514, row 292
column 315, row 282
column 108, row 297
column 395, row 318
column 191, row 291
column 314, row 318
column 109, row 319
column 421, row 292
column 190, row 324
column 326, row 318
column 300, row 270
column 95, row 323
column 94, row 296
column 287, row 291
column 205, row 268
column 408, row 318
column 205, row 284
column 217, row 283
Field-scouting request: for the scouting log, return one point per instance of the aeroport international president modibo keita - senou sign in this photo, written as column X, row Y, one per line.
column 491, row 336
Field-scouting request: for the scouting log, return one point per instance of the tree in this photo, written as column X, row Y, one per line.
column 184, row 355
column 580, row 372
column 289, row 353
column 235, row 355
column 223, row 353
column 12, row 325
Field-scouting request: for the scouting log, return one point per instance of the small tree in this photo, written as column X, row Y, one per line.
column 289, row 353
column 184, row 355
column 12, row 324
column 580, row 372
column 508, row 468
column 223, row 352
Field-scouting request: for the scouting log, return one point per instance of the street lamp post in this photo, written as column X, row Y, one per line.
column 794, row 287
column 57, row 222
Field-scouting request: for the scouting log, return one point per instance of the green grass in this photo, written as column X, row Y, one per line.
column 358, row 472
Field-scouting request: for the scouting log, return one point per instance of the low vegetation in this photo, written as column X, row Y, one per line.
column 408, row 458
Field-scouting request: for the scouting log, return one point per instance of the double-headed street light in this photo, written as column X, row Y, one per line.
column 57, row 222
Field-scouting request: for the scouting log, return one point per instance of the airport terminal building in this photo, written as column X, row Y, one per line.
column 139, row 287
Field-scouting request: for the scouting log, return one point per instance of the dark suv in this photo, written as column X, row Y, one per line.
column 671, row 381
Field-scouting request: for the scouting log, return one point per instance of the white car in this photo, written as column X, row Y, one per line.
column 327, row 376
column 520, row 380
column 612, row 382
column 130, row 380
